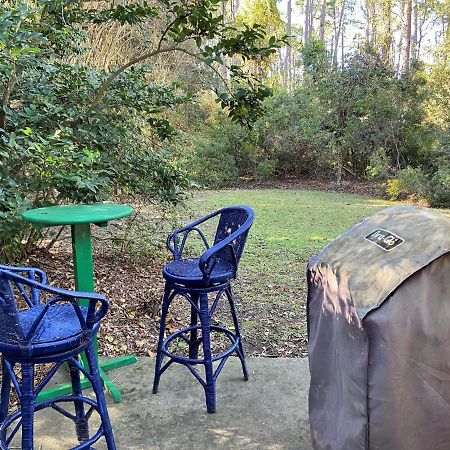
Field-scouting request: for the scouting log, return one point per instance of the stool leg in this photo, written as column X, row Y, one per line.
column 193, row 345
column 240, row 349
column 162, row 329
column 97, row 386
column 81, row 424
column 210, row 389
column 27, row 405
column 5, row 392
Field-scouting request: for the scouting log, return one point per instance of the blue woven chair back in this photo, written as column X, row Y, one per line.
column 32, row 312
column 10, row 329
column 31, row 294
column 231, row 220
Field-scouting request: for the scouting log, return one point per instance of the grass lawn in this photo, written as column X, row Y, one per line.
column 290, row 227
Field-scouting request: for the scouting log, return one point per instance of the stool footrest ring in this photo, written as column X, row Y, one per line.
column 234, row 339
column 4, row 441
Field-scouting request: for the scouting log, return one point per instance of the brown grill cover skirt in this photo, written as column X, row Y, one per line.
column 379, row 336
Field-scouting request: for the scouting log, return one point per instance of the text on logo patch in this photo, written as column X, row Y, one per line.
column 384, row 239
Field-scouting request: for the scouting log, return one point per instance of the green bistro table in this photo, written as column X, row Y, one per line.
column 79, row 217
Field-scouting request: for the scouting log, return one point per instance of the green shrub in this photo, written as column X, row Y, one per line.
column 413, row 184
column 292, row 134
column 410, row 183
column 379, row 167
column 55, row 147
column 438, row 192
column 265, row 170
column 220, row 150
column 12, row 228
column 211, row 165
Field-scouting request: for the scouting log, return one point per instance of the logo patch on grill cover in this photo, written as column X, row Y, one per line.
column 384, row 239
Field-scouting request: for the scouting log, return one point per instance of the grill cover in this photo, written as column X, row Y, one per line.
column 379, row 334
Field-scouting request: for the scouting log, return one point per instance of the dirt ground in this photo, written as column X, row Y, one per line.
column 135, row 292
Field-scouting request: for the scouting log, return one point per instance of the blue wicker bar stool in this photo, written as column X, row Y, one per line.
column 41, row 324
column 203, row 282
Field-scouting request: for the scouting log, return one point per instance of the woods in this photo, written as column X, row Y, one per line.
column 355, row 97
column 108, row 98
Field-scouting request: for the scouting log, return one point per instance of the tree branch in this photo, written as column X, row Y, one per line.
column 52, row 242
column 7, row 94
column 167, row 30
column 197, row 56
column 105, row 86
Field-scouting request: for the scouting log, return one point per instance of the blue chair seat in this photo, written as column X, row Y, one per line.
column 59, row 330
column 54, row 329
column 187, row 271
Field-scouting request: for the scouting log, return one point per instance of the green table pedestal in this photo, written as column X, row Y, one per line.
column 84, row 272
column 111, row 388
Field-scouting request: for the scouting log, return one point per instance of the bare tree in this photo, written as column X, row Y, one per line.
column 387, row 36
column 338, row 30
column 407, row 42
column 288, row 60
column 415, row 29
column 323, row 15
column 309, row 17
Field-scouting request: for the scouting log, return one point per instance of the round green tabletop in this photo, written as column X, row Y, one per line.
column 77, row 214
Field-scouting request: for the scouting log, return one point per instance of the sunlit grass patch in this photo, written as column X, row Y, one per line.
column 290, row 227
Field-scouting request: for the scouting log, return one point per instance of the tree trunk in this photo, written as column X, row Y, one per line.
column 223, row 67
column 311, row 19
column 367, row 14
column 306, row 27
column 445, row 35
column 400, row 43
column 281, row 59
column 387, row 34
column 415, row 30
column 323, row 15
column 420, row 35
column 371, row 20
column 407, row 46
column 288, row 61
column 294, row 71
column 234, row 9
column 338, row 32
column 334, row 34
column 339, row 168
column 309, row 16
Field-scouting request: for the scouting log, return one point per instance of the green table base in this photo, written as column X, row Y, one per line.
column 111, row 388
column 79, row 217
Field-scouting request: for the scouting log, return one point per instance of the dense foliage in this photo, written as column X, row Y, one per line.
column 355, row 122
column 146, row 97
column 71, row 132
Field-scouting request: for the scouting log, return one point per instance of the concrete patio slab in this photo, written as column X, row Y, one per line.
column 267, row 412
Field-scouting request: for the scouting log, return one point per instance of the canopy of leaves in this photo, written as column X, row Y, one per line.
column 70, row 132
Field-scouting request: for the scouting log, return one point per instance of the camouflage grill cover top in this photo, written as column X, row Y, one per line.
column 379, row 334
